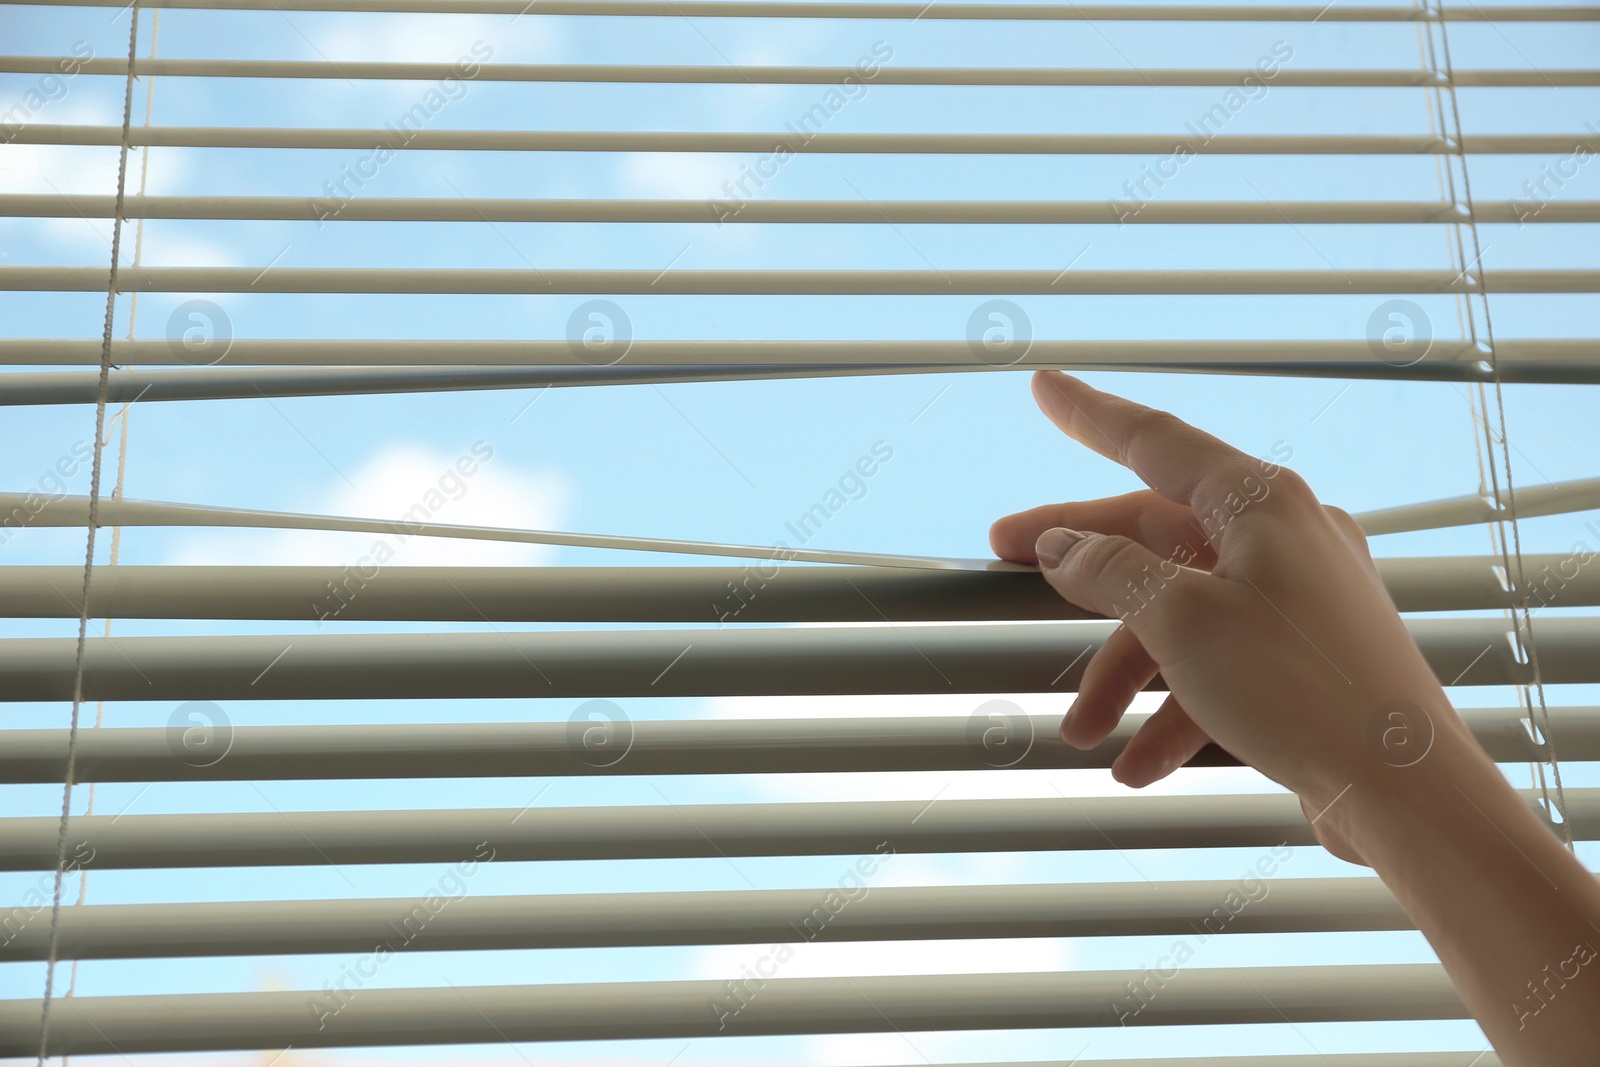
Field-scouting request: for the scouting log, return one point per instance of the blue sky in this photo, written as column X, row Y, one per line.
column 735, row 461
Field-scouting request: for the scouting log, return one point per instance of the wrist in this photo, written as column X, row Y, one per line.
column 1413, row 787
column 1396, row 813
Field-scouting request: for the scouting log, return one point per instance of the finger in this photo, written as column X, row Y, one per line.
column 1175, row 459
column 1167, row 740
column 1117, row 672
column 1119, row 578
column 1155, row 522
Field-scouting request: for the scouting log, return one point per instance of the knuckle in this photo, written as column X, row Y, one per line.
column 1106, row 553
column 1292, row 489
column 1234, row 479
column 1345, row 521
column 1350, row 529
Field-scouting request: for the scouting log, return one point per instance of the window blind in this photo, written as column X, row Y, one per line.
column 837, row 624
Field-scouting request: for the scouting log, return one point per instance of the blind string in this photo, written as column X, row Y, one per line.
column 1477, row 398
column 94, row 514
column 122, row 443
column 1521, row 614
column 1466, row 317
column 1506, row 505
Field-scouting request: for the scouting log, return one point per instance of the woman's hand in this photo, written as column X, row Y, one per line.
column 1288, row 653
column 1265, row 617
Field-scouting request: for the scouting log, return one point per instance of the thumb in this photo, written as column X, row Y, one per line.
column 1121, row 579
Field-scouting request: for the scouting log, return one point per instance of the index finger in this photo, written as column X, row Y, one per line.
column 1175, row 459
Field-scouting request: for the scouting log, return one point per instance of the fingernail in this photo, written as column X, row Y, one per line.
column 1069, row 731
column 1053, row 544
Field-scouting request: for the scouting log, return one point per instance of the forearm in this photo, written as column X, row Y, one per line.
column 1513, row 916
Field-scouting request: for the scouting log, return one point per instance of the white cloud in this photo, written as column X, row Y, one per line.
column 52, row 168
column 162, row 249
column 412, row 37
column 691, row 177
column 440, row 38
column 167, row 169
column 78, row 240
column 73, row 110
column 705, row 178
column 837, row 707
column 389, row 485
column 47, row 169
column 425, row 38
column 855, row 959
column 959, row 785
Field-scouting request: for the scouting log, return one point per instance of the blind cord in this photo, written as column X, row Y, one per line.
column 122, row 444
column 1466, row 322
column 94, row 514
column 1511, row 555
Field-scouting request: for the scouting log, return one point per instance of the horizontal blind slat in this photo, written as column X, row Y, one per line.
column 914, row 11
column 680, row 282
column 578, row 1011
column 664, row 831
column 590, row 920
column 877, row 212
column 851, row 143
column 1525, row 359
column 808, row 661
column 125, row 387
column 794, row 75
column 998, row 738
column 689, row 594
column 21, row 509
column 1531, row 500
column 73, row 387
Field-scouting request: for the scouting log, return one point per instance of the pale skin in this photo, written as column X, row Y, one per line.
column 1283, row 654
